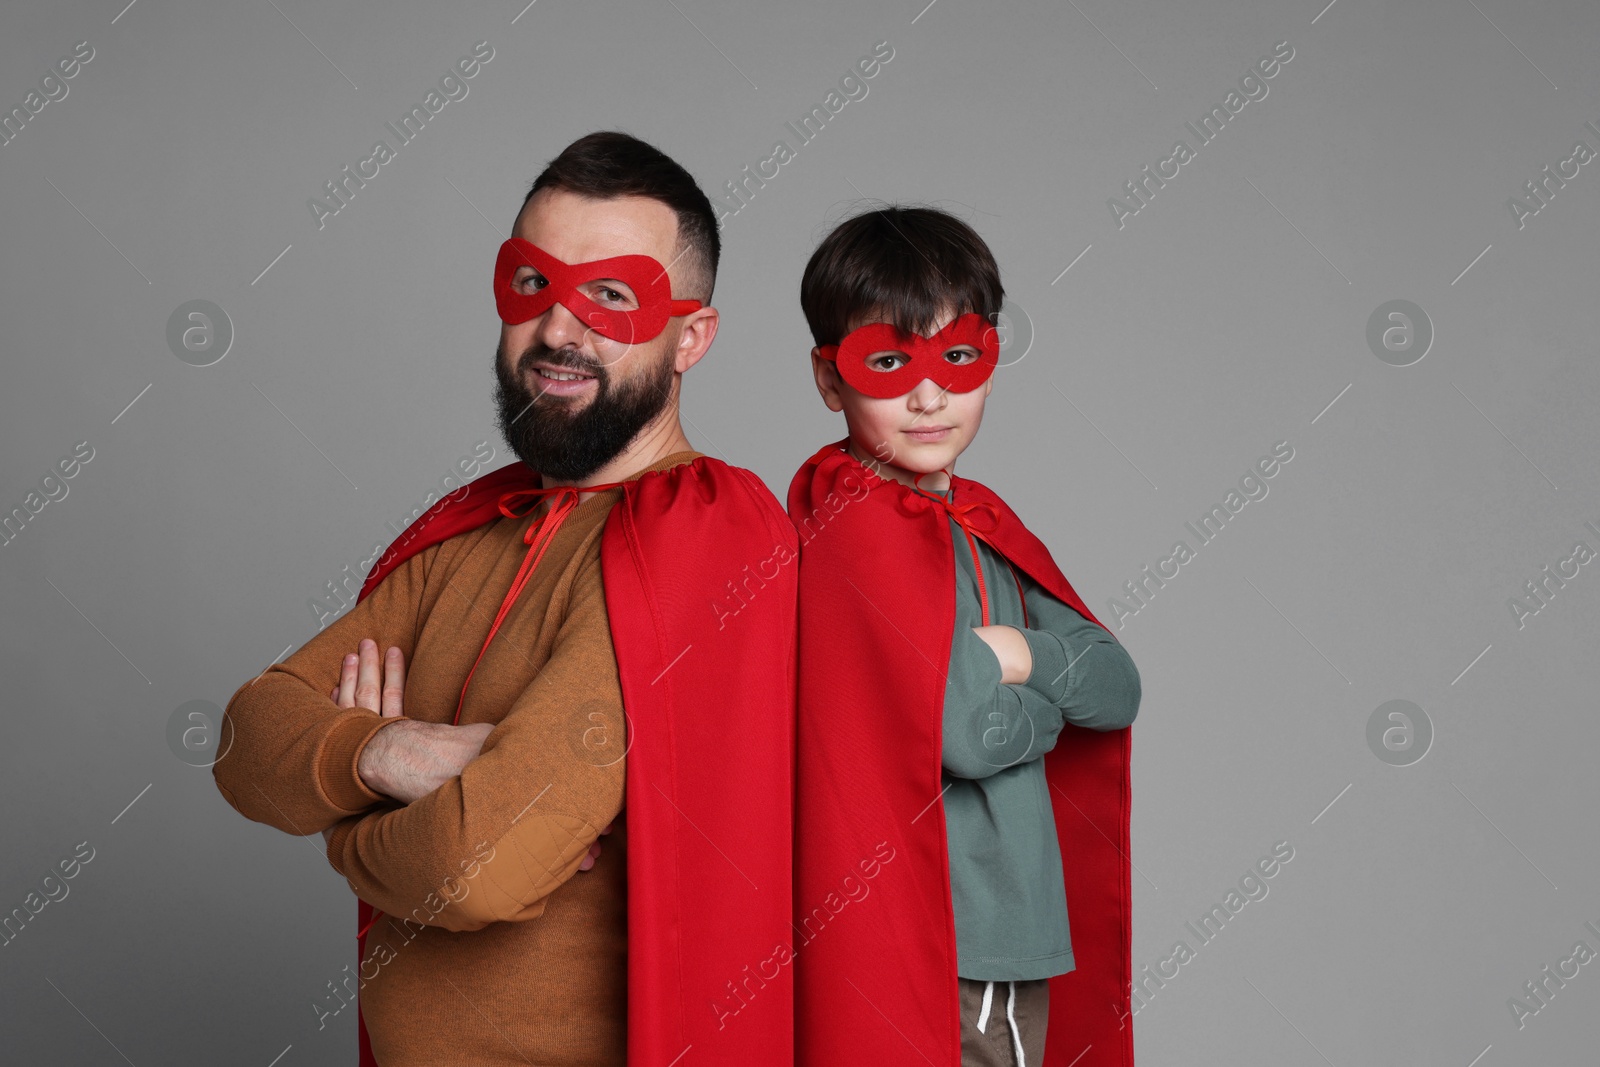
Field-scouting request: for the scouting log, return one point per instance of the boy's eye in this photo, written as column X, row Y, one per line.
column 960, row 356
column 886, row 361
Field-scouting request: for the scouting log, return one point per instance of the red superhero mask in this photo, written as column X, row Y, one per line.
column 924, row 357
column 631, row 325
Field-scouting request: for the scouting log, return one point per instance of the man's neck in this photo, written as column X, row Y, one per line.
column 650, row 446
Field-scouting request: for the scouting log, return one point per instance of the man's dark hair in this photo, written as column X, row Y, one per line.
column 609, row 163
column 906, row 264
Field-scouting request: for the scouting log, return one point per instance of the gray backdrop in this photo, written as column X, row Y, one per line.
column 1441, row 459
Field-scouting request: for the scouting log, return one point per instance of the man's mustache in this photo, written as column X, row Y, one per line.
column 563, row 360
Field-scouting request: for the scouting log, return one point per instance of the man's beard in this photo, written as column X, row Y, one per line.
column 548, row 436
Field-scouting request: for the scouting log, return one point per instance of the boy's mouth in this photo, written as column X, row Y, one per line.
column 929, row 433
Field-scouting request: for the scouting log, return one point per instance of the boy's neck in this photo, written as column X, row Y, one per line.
column 935, row 481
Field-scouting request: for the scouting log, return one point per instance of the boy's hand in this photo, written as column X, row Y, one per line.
column 1011, row 649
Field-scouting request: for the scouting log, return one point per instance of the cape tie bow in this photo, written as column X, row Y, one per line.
column 967, row 516
column 538, row 537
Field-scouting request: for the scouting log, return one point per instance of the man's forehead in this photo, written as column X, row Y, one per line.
column 579, row 229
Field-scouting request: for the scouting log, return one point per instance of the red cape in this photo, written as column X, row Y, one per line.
column 877, row 614
column 708, row 690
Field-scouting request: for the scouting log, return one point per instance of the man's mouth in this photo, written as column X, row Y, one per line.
column 560, row 381
column 551, row 370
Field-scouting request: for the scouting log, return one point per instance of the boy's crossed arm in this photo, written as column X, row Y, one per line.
column 992, row 722
column 1008, row 707
column 1078, row 666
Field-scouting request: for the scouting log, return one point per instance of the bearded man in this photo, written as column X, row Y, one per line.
column 566, row 655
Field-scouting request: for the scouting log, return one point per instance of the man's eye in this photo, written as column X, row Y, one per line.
column 533, row 282
column 609, row 295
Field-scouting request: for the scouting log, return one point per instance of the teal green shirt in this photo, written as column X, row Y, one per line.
column 1005, row 862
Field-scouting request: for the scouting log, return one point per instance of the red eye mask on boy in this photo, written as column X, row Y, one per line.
column 642, row 274
column 924, row 357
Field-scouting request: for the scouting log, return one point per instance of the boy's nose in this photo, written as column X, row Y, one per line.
column 927, row 396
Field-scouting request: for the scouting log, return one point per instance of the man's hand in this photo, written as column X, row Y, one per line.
column 594, row 853
column 410, row 759
column 1011, row 649
column 359, row 682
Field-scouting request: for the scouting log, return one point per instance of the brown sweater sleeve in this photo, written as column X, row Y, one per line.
column 291, row 752
column 549, row 779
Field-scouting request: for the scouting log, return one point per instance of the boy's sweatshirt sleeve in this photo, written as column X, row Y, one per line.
column 988, row 725
column 1078, row 666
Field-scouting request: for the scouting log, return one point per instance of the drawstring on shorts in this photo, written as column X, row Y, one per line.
column 1011, row 1017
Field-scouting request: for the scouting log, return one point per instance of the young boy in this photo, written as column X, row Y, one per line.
column 962, row 735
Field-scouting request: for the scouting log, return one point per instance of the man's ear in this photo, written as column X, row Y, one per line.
column 694, row 338
column 826, row 373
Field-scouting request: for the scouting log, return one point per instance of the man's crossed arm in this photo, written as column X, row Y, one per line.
column 408, row 759
column 312, row 747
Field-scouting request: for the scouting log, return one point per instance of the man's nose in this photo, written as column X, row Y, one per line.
column 560, row 328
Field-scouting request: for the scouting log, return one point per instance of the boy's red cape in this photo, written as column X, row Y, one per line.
column 877, row 983
column 709, row 700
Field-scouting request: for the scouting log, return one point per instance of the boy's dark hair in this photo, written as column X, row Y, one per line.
column 609, row 163
column 904, row 263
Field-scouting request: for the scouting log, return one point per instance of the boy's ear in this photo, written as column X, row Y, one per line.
column 827, row 378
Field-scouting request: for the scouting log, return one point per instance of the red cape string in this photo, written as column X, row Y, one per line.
column 962, row 514
column 538, row 537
